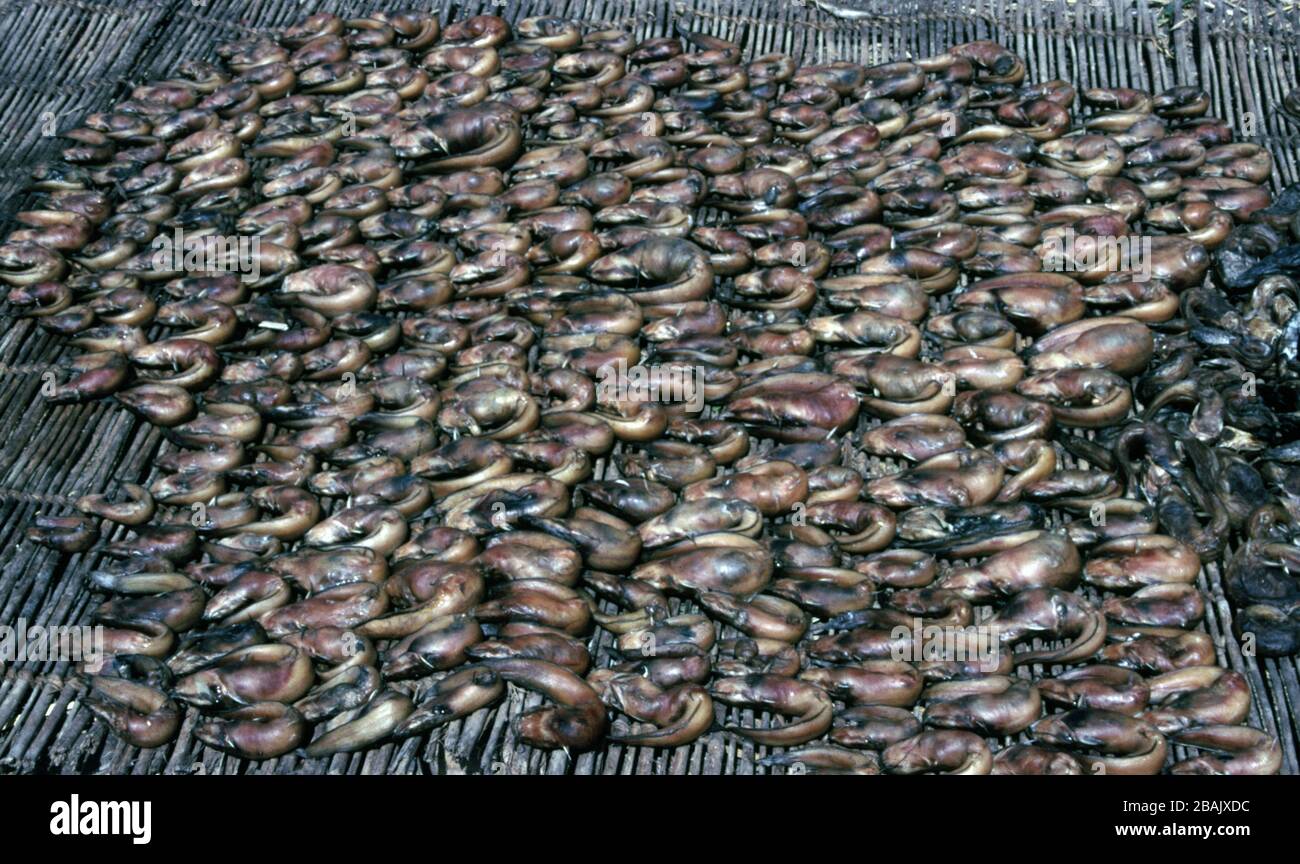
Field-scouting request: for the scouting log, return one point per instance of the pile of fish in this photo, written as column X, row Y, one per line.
column 905, row 318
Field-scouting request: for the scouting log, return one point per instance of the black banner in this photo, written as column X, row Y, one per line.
column 330, row 814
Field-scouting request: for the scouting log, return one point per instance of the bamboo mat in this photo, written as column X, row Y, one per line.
column 65, row 58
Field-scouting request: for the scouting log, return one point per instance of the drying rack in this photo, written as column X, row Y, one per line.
column 65, row 58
